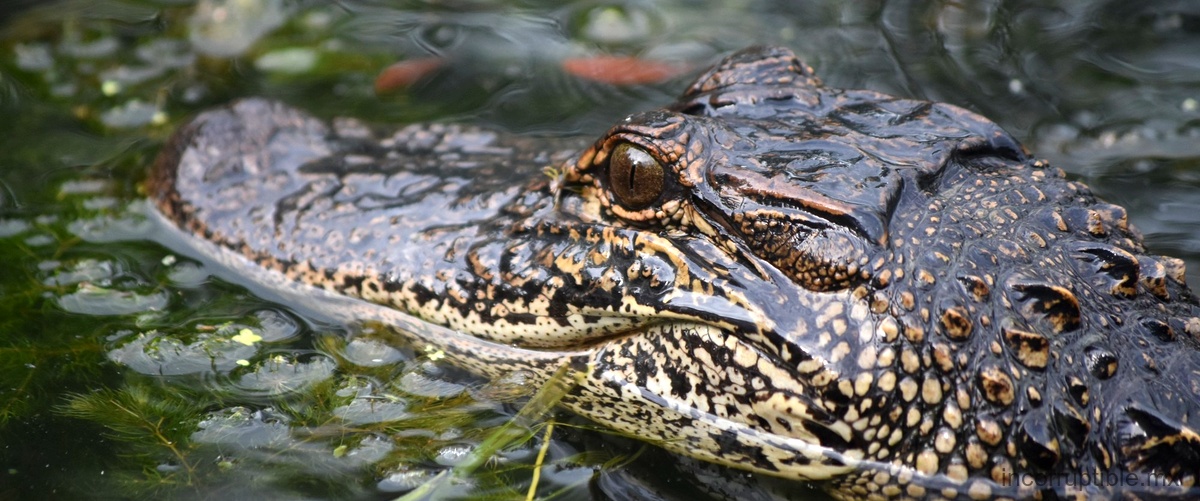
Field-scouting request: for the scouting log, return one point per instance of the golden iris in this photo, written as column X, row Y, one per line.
column 634, row 176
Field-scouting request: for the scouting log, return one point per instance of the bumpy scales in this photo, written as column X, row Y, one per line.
column 885, row 295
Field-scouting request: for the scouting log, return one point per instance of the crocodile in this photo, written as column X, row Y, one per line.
column 888, row 297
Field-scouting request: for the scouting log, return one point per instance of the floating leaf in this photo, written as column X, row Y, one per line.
column 246, row 337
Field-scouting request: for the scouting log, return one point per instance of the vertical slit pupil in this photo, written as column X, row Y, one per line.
column 634, row 176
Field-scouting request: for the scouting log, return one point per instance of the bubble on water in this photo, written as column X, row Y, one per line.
column 226, row 28
column 87, row 270
column 34, row 57
column 372, row 409
column 93, row 49
column 134, row 113
column 155, row 353
column 280, row 375
column 84, row 186
column 617, row 24
column 406, row 480
column 100, row 203
column 165, row 52
column 276, row 326
column 370, row 450
column 421, row 382
column 112, row 227
column 240, row 428
column 10, row 227
column 90, row 299
column 454, row 454
column 293, row 60
column 368, row 352
column 187, row 274
column 40, row 240
column 1016, row 86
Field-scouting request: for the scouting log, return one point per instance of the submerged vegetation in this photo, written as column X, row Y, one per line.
column 283, row 434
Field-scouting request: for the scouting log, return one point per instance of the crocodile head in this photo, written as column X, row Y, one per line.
column 926, row 305
column 885, row 294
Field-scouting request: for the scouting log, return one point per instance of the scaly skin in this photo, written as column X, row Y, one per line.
column 884, row 295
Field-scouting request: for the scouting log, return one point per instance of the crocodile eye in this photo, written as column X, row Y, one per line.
column 634, row 176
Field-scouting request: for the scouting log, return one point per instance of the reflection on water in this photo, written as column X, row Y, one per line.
column 131, row 372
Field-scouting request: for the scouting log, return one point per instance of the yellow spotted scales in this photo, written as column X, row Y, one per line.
column 884, row 295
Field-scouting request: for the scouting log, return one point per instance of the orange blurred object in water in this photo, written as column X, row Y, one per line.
column 621, row 70
column 404, row 74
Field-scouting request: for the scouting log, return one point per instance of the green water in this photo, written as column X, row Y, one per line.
column 127, row 371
